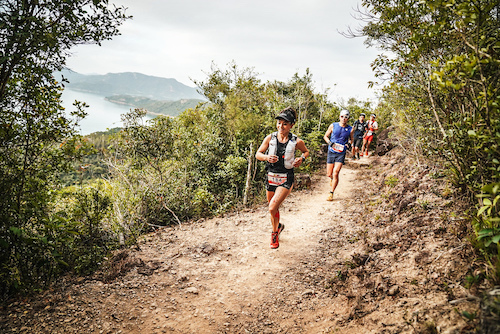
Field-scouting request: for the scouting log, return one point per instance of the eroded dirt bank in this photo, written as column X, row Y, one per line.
column 387, row 256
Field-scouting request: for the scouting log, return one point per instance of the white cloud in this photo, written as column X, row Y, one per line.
column 180, row 39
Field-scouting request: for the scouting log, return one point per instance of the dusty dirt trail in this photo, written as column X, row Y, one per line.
column 381, row 258
column 227, row 270
column 215, row 276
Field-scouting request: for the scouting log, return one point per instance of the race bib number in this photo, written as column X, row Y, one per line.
column 276, row 179
column 338, row 148
column 369, row 133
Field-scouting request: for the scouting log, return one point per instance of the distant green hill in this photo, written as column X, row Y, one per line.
column 128, row 83
column 169, row 108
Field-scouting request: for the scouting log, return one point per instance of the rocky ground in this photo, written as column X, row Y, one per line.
column 389, row 255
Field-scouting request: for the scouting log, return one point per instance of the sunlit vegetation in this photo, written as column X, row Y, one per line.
column 441, row 68
column 201, row 163
column 40, row 238
column 68, row 200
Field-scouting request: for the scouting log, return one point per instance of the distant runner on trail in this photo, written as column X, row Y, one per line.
column 278, row 149
column 359, row 132
column 337, row 136
column 372, row 126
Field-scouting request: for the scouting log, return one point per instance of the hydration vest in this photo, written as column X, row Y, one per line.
column 371, row 127
column 359, row 129
column 289, row 157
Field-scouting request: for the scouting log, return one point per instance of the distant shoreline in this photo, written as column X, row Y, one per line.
column 152, row 107
column 134, row 106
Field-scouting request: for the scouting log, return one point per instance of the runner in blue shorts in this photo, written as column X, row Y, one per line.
column 337, row 136
column 278, row 149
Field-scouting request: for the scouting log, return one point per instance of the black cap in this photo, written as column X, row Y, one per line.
column 287, row 114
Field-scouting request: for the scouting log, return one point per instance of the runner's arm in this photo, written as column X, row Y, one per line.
column 364, row 130
column 305, row 153
column 327, row 135
column 260, row 154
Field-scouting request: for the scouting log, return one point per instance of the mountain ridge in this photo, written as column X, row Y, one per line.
column 155, row 107
column 130, row 83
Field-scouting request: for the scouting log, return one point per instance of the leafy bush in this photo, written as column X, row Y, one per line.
column 445, row 91
column 38, row 138
column 487, row 224
column 391, row 181
column 92, row 240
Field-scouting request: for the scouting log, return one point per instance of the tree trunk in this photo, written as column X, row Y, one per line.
column 249, row 175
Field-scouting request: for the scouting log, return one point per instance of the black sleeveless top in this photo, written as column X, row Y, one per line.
column 279, row 166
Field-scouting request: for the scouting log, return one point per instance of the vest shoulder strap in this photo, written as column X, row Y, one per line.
column 291, row 136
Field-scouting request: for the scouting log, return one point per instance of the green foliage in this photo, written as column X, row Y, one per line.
column 160, row 172
column 444, row 90
column 445, row 80
column 468, row 316
column 71, row 238
column 167, row 170
column 145, row 173
column 88, row 250
column 391, row 181
column 91, row 163
column 232, row 170
column 488, row 219
column 38, row 140
column 87, row 239
column 314, row 141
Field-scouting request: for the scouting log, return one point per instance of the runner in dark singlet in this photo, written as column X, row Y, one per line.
column 359, row 131
column 278, row 149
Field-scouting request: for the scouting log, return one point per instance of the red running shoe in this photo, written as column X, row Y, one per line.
column 274, row 240
column 281, row 227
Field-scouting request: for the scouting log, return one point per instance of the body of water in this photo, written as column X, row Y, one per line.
column 102, row 115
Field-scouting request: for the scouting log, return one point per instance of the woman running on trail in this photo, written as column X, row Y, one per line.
column 278, row 149
column 337, row 137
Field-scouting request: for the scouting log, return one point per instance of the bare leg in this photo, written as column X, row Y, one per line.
column 355, row 152
column 335, row 177
column 363, row 148
column 275, row 199
column 329, row 170
column 368, row 146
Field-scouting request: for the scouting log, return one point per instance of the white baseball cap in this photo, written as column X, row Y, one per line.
column 344, row 113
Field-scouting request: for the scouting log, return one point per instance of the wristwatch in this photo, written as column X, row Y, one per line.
column 303, row 159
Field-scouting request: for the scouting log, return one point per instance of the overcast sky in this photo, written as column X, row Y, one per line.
column 181, row 38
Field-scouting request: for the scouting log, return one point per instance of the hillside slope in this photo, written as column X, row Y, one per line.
column 384, row 257
column 169, row 108
column 129, row 83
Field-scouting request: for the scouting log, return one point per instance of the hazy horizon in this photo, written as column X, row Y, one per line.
column 182, row 39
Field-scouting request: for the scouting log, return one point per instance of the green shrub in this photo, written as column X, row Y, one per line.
column 391, row 181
